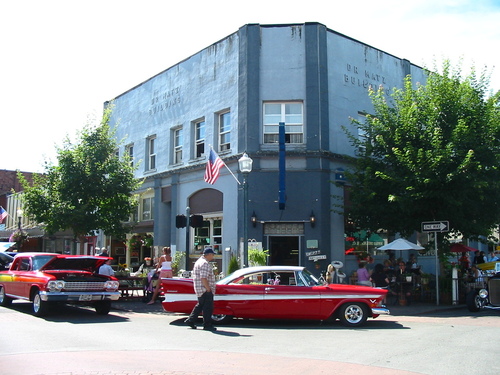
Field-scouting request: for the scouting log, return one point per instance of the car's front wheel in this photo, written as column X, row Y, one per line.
column 102, row 307
column 221, row 318
column 353, row 314
column 40, row 307
column 4, row 300
column 473, row 301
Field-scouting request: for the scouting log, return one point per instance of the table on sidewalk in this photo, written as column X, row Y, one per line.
column 131, row 285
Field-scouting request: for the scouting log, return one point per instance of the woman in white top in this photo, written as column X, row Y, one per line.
column 164, row 265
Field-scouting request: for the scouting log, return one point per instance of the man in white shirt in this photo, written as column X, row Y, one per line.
column 106, row 269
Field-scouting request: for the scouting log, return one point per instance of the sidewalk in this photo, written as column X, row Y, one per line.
column 415, row 309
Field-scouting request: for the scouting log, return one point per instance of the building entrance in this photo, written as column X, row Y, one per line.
column 283, row 250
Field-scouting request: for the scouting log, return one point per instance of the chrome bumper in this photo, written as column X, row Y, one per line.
column 79, row 296
column 380, row 311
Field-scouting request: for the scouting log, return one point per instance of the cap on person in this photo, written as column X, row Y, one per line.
column 208, row 250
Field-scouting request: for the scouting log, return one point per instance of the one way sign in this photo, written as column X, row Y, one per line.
column 435, row 226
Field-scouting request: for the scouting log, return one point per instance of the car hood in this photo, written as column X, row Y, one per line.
column 83, row 263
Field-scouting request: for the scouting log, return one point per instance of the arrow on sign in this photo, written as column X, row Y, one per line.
column 435, row 226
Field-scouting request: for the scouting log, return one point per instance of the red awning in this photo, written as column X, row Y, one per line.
column 460, row 248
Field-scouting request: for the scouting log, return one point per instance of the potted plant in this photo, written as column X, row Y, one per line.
column 19, row 237
column 257, row 257
column 233, row 265
column 424, row 278
column 178, row 262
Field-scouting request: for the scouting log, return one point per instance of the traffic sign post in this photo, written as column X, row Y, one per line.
column 436, row 226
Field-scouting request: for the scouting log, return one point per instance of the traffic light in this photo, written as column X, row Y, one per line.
column 196, row 221
column 180, row 221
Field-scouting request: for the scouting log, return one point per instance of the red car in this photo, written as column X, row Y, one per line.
column 45, row 278
column 279, row 292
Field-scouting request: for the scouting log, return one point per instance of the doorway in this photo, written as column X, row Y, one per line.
column 283, row 250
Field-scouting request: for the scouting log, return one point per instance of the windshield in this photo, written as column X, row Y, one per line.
column 40, row 261
column 309, row 279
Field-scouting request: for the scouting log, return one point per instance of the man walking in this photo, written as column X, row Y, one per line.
column 204, row 287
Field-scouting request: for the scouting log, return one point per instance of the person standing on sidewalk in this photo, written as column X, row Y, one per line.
column 204, row 287
column 165, row 267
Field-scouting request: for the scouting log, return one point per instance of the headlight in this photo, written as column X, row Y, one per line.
column 483, row 293
column 55, row 285
column 111, row 285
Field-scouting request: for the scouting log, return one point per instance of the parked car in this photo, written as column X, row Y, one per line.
column 279, row 292
column 5, row 261
column 488, row 296
column 45, row 279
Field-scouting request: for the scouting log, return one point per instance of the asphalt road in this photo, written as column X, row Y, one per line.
column 145, row 340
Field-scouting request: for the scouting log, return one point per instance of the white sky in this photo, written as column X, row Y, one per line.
column 61, row 59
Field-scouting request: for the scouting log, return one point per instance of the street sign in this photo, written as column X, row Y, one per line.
column 317, row 257
column 435, row 226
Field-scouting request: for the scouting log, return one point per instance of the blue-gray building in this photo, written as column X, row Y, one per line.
column 231, row 96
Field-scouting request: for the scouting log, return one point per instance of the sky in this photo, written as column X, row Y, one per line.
column 62, row 59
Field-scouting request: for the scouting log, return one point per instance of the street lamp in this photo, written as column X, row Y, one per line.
column 19, row 240
column 245, row 164
column 19, row 218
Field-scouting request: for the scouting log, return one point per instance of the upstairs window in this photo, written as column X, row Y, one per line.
column 151, row 153
column 225, row 131
column 199, row 138
column 177, row 136
column 147, row 208
column 129, row 149
column 291, row 114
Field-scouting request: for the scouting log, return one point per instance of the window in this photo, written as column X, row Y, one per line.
column 134, row 216
column 129, row 150
column 362, row 135
column 225, row 131
column 151, row 153
column 289, row 113
column 177, row 157
column 199, row 138
column 147, row 208
column 210, row 234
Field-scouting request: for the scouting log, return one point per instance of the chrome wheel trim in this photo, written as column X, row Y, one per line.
column 37, row 303
column 353, row 314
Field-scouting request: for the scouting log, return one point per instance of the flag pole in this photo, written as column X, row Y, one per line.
column 232, row 174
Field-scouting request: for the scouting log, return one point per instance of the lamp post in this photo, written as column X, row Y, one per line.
column 19, row 228
column 245, row 164
column 19, row 218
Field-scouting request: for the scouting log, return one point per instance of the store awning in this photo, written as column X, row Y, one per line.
column 360, row 239
column 460, row 248
column 5, row 246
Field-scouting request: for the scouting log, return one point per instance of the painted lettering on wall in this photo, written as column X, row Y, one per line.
column 163, row 100
column 356, row 76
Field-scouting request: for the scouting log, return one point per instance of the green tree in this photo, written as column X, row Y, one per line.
column 429, row 152
column 89, row 189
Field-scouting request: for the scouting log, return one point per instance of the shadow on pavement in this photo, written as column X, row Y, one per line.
column 69, row 313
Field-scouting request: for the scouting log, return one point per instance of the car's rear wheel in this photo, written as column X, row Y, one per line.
column 40, row 307
column 473, row 301
column 102, row 307
column 4, row 300
column 353, row 314
column 221, row 318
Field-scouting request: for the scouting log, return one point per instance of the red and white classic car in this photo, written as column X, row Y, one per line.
column 279, row 292
column 45, row 278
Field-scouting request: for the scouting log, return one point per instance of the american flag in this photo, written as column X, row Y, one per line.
column 214, row 164
column 3, row 214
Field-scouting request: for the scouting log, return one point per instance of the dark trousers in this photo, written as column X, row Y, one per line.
column 206, row 306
